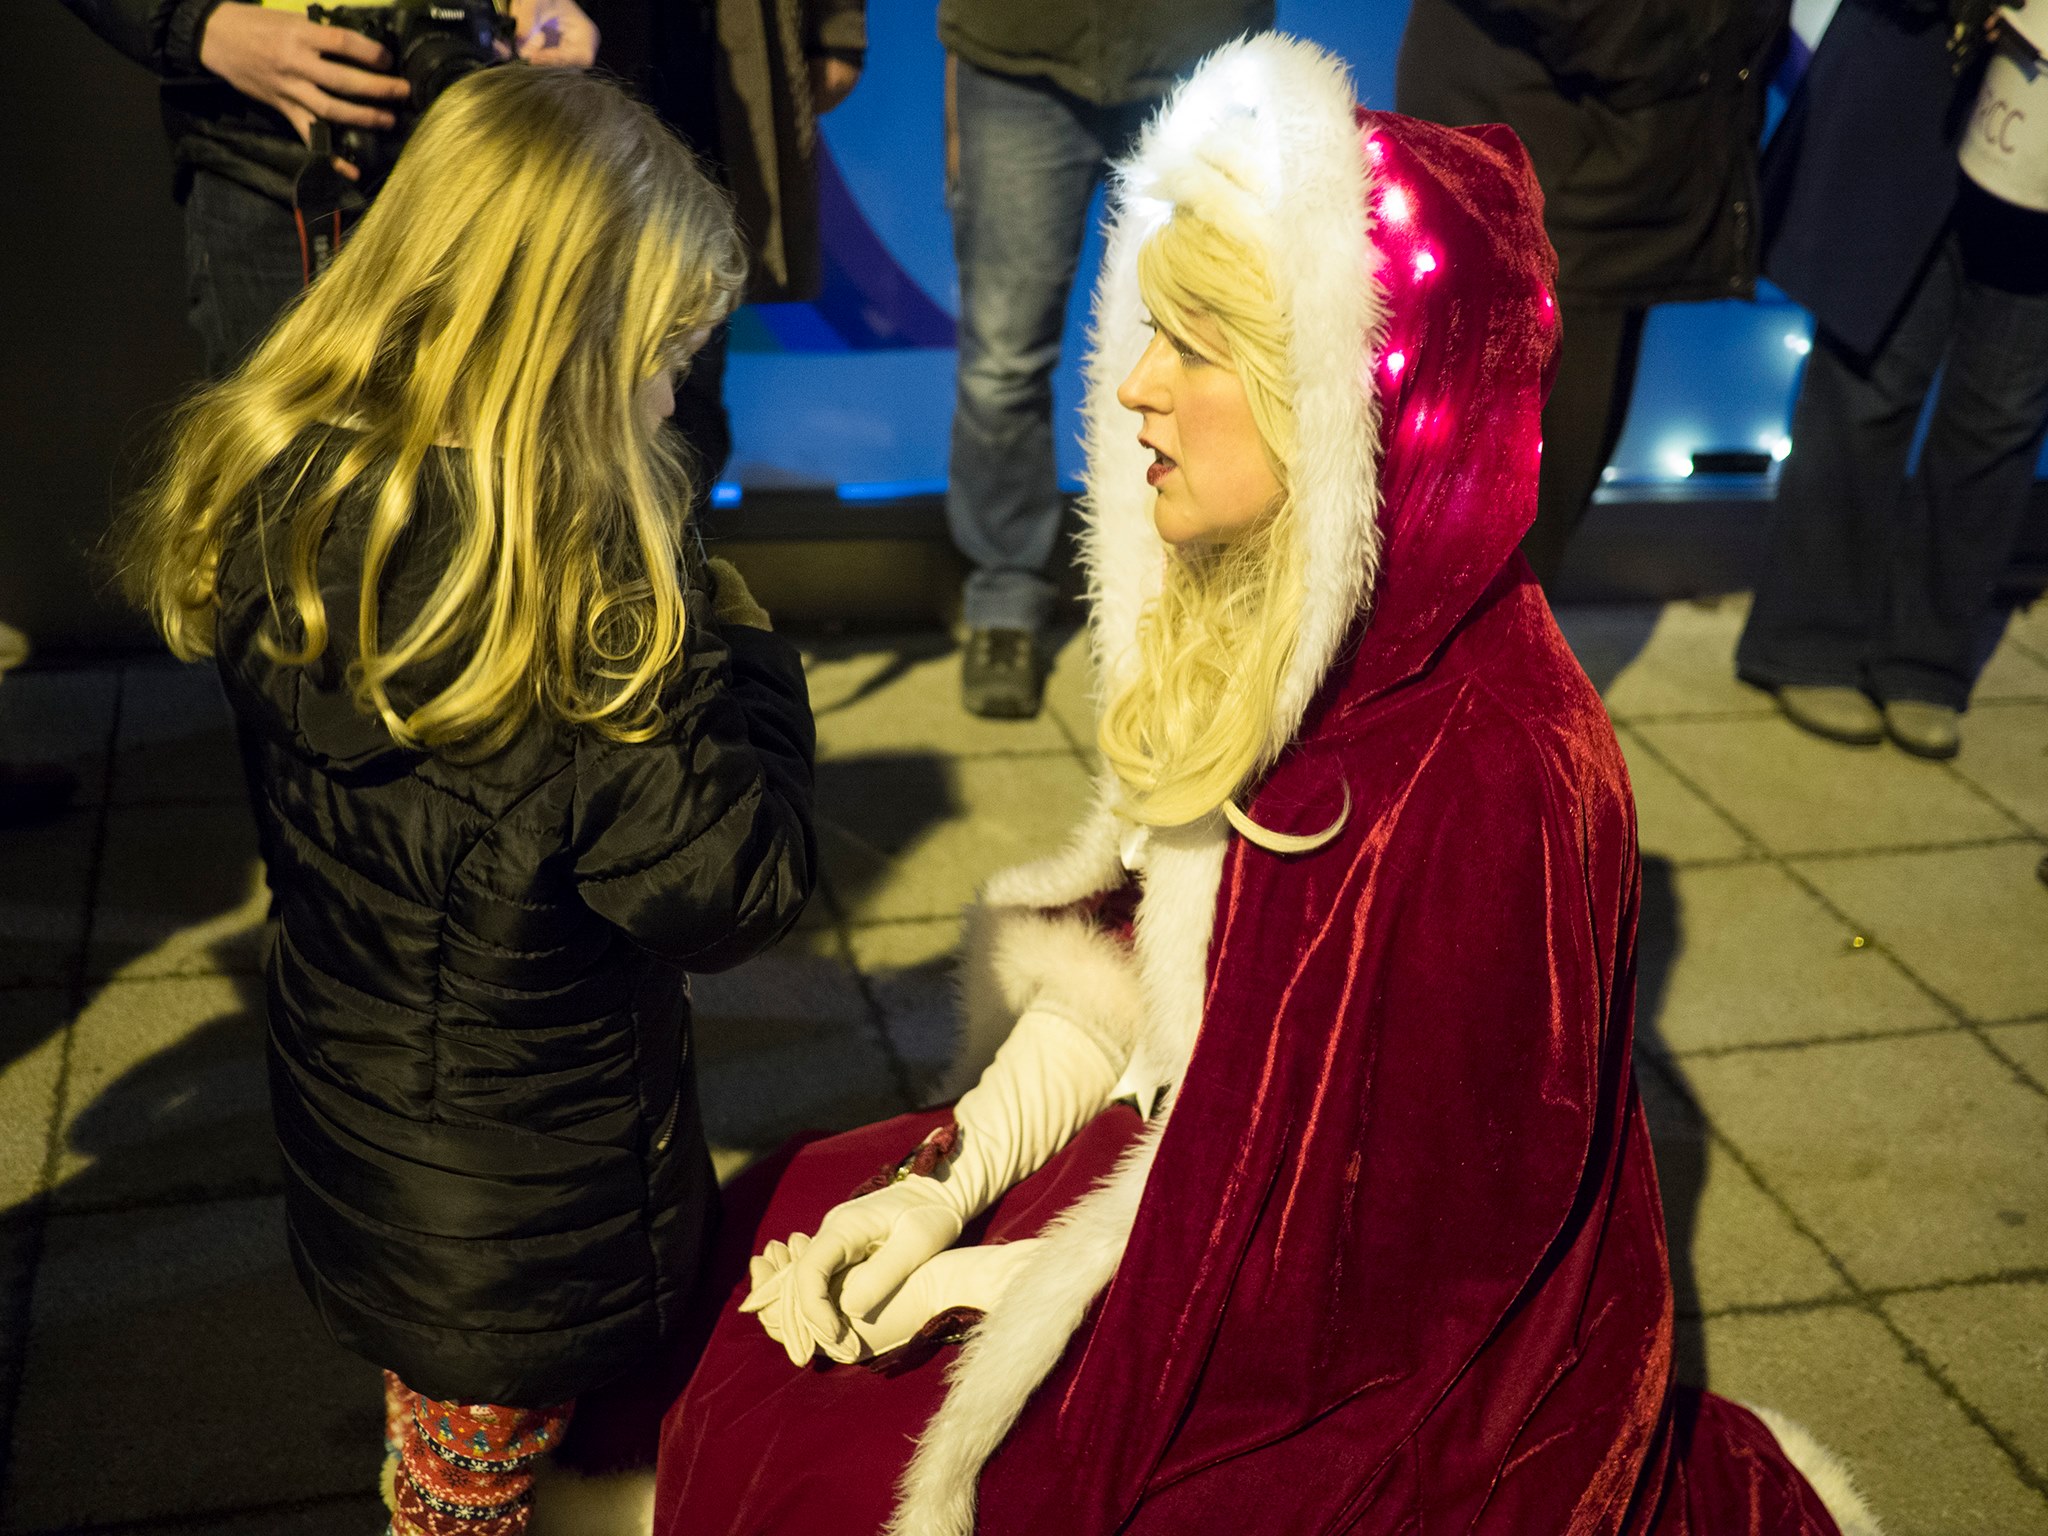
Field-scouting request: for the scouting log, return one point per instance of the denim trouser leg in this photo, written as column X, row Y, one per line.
column 242, row 267
column 1820, row 601
column 1976, row 471
column 1030, row 157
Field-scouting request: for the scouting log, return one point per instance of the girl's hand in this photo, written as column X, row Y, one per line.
column 555, row 33
column 832, row 81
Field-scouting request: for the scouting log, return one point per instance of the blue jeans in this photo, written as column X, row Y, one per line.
column 242, row 267
column 1030, row 158
column 1881, row 583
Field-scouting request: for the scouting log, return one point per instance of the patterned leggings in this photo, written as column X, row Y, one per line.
column 462, row 1469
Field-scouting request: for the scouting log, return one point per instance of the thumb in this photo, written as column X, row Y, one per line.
column 916, row 1237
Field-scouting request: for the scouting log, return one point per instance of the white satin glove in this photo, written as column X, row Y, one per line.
column 960, row 1277
column 1049, row 1079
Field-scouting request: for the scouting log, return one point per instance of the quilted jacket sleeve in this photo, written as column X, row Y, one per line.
column 699, row 844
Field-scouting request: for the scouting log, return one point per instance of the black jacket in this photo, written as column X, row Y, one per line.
column 496, row 1178
column 212, row 126
column 1110, row 52
column 1642, row 118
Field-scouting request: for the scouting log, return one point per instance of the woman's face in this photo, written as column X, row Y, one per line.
column 1209, row 464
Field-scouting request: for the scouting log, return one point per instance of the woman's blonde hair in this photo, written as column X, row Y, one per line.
column 543, row 249
column 1195, row 722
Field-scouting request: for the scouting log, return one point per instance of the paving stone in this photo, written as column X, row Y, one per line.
column 356, row 1515
column 1971, row 922
column 177, row 739
column 1731, row 1244
column 1679, row 659
column 181, row 893
column 1796, row 793
column 1070, row 694
column 169, row 1095
column 2005, row 754
column 786, row 1043
column 1924, row 1467
column 910, row 972
column 1672, row 822
column 2027, row 1044
column 31, row 1053
column 915, row 835
column 1739, row 954
column 181, row 1337
column 18, row 1244
column 1991, row 1342
column 43, row 876
column 1916, row 1160
column 63, row 717
column 904, row 696
column 1607, row 637
column 2011, row 673
column 2028, row 627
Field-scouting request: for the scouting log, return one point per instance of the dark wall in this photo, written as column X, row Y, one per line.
column 93, row 343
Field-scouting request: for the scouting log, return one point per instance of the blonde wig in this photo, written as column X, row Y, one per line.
column 543, row 250
column 1196, row 722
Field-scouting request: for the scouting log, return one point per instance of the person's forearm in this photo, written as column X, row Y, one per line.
column 160, row 35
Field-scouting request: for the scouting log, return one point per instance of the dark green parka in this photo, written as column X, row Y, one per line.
column 1642, row 118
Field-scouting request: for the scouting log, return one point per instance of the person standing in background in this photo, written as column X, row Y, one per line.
column 744, row 83
column 243, row 85
column 1643, row 118
column 1869, row 612
column 1039, row 98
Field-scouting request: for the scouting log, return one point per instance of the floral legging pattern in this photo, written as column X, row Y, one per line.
column 462, row 1469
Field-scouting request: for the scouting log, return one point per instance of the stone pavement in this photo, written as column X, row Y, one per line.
column 1844, row 1046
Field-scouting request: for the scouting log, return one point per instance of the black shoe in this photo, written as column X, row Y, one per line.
column 34, row 792
column 999, row 676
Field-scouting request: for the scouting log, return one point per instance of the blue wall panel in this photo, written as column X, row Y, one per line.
column 856, row 390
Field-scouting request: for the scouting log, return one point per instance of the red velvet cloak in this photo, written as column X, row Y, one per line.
column 1399, row 1264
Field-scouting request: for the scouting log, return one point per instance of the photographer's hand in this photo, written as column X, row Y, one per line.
column 301, row 68
column 555, row 32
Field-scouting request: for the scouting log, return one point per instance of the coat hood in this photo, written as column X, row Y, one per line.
column 1412, row 261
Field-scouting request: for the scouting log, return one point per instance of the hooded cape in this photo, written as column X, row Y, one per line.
column 1391, row 1253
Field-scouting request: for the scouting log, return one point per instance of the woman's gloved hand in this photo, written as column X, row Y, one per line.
column 730, row 599
column 960, row 1277
column 1049, row 1079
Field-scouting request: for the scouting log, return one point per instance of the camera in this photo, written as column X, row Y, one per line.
column 433, row 43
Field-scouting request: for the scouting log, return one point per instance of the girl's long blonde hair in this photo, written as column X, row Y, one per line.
column 543, row 249
column 1195, row 722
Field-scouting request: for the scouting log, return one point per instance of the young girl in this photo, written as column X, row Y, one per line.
column 515, row 770
column 1308, row 1189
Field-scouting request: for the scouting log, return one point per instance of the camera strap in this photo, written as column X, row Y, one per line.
column 320, row 197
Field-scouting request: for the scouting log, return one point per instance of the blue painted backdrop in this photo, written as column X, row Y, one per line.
column 856, row 390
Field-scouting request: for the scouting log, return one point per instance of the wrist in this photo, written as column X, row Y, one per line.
column 185, row 36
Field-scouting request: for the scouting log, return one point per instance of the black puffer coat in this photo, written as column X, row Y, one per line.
column 496, row 1177
column 1642, row 118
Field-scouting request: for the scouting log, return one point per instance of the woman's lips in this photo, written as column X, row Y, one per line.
column 1162, row 466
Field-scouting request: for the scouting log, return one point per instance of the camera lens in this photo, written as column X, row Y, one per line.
column 434, row 61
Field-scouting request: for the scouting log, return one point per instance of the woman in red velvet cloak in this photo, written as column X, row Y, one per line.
column 1387, row 1253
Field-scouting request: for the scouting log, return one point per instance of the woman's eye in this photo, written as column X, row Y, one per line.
column 1187, row 353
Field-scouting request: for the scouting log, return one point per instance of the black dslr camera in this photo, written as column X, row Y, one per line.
column 433, row 44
